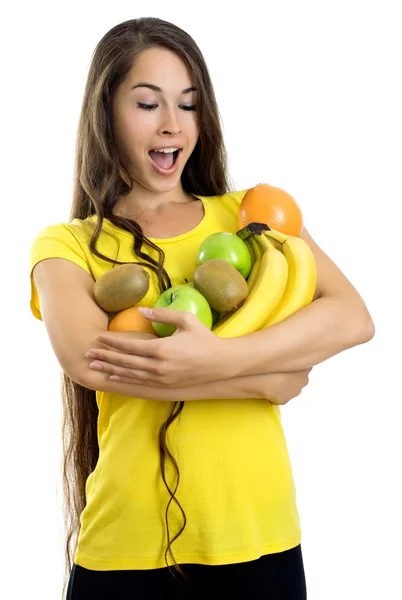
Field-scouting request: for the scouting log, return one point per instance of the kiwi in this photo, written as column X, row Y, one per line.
column 221, row 284
column 121, row 287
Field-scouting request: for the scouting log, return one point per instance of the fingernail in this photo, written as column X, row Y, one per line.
column 90, row 354
column 95, row 365
column 145, row 311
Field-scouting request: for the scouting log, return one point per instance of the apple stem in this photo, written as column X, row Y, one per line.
column 171, row 297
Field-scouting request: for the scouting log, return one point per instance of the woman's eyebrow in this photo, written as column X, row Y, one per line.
column 155, row 88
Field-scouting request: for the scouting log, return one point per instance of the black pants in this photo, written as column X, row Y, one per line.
column 272, row 577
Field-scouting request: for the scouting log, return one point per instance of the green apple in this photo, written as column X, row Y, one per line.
column 182, row 297
column 227, row 246
column 215, row 314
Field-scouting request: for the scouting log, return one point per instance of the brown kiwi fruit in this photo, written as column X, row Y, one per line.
column 121, row 287
column 221, row 284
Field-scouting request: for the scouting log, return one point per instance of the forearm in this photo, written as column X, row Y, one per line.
column 316, row 332
column 232, row 388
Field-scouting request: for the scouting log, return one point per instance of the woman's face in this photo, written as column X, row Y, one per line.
column 146, row 118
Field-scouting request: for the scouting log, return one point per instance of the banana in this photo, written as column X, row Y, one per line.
column 256, row 252
column 251, row 250
column 269, row 278
column 302, row 275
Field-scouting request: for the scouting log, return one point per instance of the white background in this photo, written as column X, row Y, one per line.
column 310, row 98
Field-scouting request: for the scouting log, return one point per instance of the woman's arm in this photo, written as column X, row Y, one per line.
column 336, row 320
column 312, row 335
column 279, row 388
column 236, row 387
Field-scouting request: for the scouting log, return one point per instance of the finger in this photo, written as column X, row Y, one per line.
column 134, row 381
column 134, row 375
column 130, row 361
column 180, row 318
column 130, row 346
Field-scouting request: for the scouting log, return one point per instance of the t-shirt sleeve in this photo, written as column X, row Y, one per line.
column 55, row 241
column 233, row 200
column 238, row 196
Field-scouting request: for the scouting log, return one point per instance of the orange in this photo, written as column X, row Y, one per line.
column 130, row 320
column 276, row 208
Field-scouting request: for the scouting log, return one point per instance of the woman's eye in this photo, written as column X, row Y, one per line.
column 153, row 106
column 146, row 106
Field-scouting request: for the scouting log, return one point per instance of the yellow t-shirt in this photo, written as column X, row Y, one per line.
column 236, row 483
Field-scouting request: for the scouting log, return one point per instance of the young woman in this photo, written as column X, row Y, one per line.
column 177, row 478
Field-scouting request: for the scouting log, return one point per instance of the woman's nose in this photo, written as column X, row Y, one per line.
column 171, row 123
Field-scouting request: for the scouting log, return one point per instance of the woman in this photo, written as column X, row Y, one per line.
column 177, row 476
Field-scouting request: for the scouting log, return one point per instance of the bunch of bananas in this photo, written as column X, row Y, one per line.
column 282, row 280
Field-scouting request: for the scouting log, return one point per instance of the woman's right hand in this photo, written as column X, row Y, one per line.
column 279, row 388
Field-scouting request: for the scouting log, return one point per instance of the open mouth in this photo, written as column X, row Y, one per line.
column 164, row 160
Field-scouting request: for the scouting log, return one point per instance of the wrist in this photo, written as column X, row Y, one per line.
column 252, row 353
column 236, row 356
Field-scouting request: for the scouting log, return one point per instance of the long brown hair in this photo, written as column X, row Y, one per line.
column 100, row 180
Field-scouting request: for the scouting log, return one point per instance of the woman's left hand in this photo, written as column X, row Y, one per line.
column 193, row 354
